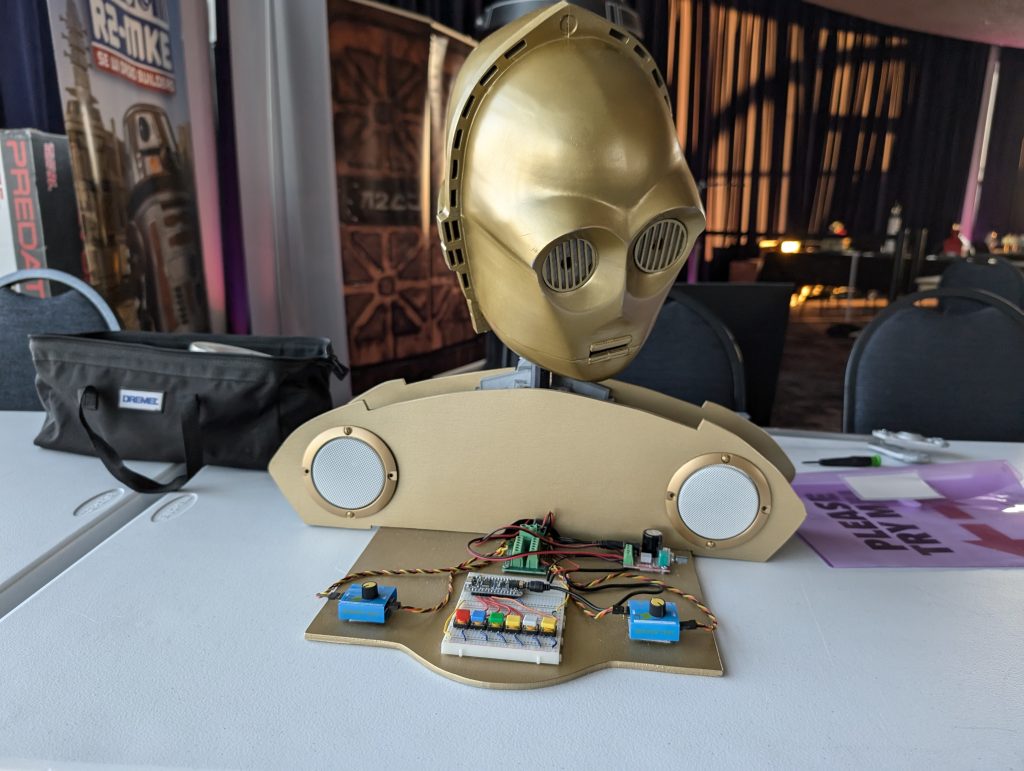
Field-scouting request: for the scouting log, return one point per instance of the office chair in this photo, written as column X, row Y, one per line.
column 938, row 372
column 690, row 355
column 985, row 272
column 80, row 310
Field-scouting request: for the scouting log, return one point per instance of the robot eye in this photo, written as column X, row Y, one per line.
column 659, row 245
column 568, row 265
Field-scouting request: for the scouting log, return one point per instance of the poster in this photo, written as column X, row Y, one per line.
column 38, row 214
column 949, row 515
column 121, row 69
column 391, row 75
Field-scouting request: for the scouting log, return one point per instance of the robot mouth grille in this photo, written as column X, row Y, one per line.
column 659, row 246
column 568, row 265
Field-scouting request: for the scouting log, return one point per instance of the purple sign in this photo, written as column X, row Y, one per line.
column 974, row 517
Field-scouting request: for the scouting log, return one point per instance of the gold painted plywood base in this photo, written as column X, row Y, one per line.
column 588, row 645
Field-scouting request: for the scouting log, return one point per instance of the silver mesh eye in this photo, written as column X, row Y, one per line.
column 660, row 245
column 568, row 265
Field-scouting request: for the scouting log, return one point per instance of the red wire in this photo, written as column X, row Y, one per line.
column 542, row 553
column 509, row 529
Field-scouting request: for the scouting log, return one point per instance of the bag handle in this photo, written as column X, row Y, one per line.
column 88, row 399
column 339, row 369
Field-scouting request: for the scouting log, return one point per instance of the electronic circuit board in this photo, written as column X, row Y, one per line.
column 498, row 618
column 520, row 550
column 587, row 645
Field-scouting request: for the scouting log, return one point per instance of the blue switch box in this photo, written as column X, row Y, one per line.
column 644, row 626
column 352, row 606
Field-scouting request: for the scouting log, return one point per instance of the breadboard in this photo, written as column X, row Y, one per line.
column 587, row 645
column 522, row 643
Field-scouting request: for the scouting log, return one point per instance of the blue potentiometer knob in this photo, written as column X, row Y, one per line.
column 653, row 621
column 369, row 603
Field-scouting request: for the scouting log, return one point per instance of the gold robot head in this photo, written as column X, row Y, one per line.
column 567, row 209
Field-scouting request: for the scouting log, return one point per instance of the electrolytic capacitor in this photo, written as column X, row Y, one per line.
column 651, row 543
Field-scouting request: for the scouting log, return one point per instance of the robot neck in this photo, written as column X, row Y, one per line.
column 530, row 375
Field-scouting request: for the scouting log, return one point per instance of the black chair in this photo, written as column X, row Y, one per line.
column 80, row 310
column 940, row 373
column 987, row 272
column 690, row 355
column 757, row 316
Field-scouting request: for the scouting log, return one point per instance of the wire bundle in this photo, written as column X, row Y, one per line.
column 646, row 584
column 556, row 546
column 333, row 592
column 560, row 554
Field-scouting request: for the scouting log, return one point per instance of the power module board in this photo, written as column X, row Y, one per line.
column 499, row 618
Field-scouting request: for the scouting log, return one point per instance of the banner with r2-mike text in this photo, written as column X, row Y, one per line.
column 120, row 64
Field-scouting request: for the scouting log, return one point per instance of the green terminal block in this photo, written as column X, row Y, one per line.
column 524, row 543
column 627, row 556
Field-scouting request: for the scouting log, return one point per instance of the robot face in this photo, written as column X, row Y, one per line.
column 150, row 141
column 574, row 210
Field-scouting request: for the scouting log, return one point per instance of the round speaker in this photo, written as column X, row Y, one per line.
column 350, row 471
column 718, row 500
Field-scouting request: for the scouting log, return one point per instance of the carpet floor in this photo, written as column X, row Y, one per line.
column 810, row 390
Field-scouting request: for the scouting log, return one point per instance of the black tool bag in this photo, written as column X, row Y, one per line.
column 146, row 396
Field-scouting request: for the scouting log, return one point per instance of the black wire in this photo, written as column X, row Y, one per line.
column 602, row 587
column 595, row 570
column 545, row 530
column 578, row 597
column 575, row 593
column 554, row 539
column 586, row 602
column 622, row 601
column 638, row 588
column 557, row 548
column 618, row 603
column 554, row 563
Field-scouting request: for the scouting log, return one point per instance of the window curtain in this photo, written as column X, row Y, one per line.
column 793, row 116
column 1001, row 206
column 29, row 94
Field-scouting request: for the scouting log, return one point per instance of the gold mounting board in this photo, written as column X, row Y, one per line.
column 587, row 646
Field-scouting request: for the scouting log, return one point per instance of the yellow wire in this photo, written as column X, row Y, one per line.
column 448, row 624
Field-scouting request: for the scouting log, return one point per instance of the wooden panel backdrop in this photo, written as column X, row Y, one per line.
column 391, row 75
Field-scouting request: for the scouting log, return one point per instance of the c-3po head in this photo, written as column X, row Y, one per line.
column 567, row 209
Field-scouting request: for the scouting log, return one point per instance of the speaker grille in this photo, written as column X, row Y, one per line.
column 568, row 265
column 718, row 502
column 659, row 246
column 348, row 473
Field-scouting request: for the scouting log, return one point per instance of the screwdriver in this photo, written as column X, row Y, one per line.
column 850, row 460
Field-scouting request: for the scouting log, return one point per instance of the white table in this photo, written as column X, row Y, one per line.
column 54, row 506
column 178, row 641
